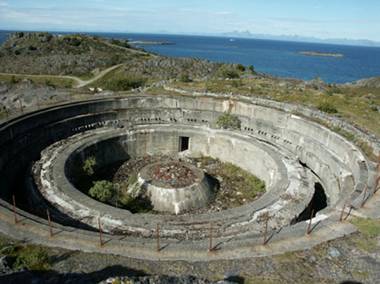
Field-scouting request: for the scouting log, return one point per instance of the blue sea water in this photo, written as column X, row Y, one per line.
column 278, row 58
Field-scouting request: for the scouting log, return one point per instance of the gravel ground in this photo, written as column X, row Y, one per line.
column 334, row 262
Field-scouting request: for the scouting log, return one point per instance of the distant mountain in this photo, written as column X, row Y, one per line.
column 247, row 34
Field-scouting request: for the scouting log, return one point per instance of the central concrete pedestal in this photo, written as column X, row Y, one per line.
column 166, row 196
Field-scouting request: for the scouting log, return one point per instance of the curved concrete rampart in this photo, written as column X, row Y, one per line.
column 290, row 153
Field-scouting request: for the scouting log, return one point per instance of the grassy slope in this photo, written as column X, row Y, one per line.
column 43, row 53
column 40, row 80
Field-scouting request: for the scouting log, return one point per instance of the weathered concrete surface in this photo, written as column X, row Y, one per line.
column 291, row 239
column 283, row 138
column 177, row 199
column 285, row 198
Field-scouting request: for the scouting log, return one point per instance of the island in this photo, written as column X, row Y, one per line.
column 318, row 53
column 146, row 42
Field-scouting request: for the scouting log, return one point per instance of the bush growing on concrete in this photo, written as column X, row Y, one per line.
column 102, row 190
column 89, row 166
column 228, row 121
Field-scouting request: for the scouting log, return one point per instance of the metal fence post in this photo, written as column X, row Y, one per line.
column 210, row 245
column 265, row 241
column 308, row 232
column 100, row 233
column 49, row 221
column 158, row 238
column 14, row 209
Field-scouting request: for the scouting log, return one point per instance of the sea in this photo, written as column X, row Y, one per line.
column 277, row 58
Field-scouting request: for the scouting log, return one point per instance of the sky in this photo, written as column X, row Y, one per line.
column 349, row 19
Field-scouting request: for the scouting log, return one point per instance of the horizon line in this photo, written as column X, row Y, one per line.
column 281, row 38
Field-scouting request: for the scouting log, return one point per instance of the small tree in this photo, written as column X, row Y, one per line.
column 228, row 121
column 102, row 190
column 240, row 67
column 89, row 165
column 251, row 68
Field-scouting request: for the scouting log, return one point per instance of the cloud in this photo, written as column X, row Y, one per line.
column 101, row 15
column 3, row 3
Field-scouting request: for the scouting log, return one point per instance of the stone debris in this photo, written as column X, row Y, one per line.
column 174, row 173
column 229, row 190
column 162, row 280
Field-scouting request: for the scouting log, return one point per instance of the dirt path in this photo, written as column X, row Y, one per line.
column 78, row 83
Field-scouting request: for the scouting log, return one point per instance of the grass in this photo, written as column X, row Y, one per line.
column 118, row 80
column 368, row 227
column 50, row 81
column 23, row 256
column 249, row 185
column 369, row 232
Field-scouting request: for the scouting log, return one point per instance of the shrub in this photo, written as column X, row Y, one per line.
column 228, row 121
column 124, row 84
column 185, row 78
column 32, row 258
column 49, row 83
column 237, row 83
column 89, row 165
column 73, row 40
column 251, row 68
column 122, row 43
column 102, row 190
column 228, row 72
column 240, row 67
column 14, row 80
column 327, row 107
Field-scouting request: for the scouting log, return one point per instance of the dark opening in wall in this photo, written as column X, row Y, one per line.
column 317, row 203
column 184, row 143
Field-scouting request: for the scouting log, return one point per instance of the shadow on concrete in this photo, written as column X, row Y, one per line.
column 52, row 277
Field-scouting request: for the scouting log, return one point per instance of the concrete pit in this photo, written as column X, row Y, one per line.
column 300, row 161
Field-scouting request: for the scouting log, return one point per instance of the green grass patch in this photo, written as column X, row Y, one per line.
column 249, row 185
column 124, row 84
column 369, row 232
column 368, row 227
column 118, row 80
column 327, row 107
column 50, row 81
column 22, row 256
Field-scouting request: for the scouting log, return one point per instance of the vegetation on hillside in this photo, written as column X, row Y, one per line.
column 47, row 54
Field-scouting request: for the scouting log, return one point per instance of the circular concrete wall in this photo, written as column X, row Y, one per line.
column 289, row 152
